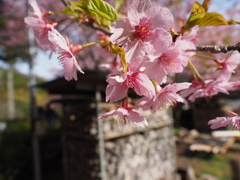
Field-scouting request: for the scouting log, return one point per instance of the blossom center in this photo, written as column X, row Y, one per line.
column 166, row 99
column 132, row 80
column 63, row 54
column 144, row 29
column 167, row 60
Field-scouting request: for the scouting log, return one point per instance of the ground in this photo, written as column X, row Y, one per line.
column 206, row 163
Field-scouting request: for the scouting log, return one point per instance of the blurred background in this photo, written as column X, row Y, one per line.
column 49, row 127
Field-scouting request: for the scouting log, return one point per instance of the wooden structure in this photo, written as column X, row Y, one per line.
column 108, row 149
column 218, row 143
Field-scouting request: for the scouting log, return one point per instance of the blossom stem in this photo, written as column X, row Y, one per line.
column 204, row 56
column 156, row 85
column 124, row 61
column 192, row 67
column 67, row 26
column 92, row 43
column 125, row 102
column 97, row 28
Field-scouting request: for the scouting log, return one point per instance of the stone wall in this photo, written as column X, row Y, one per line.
column 131, row 152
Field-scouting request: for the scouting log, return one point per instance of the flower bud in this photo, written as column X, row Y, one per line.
column 77, row 48
column 105, row 40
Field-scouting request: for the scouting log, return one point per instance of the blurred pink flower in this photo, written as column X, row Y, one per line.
column 36, row 11
column 125, row 114
column 66, row 57
column 166, row 97
column 40, row 25
column 224, row 121
column 231, row 86
column 207, row 88
column 227, row 66
column 144, row 30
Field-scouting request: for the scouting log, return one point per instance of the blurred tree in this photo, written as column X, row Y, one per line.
column 13, row 44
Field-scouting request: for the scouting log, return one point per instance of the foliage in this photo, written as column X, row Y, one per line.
column 103, row 11
column 21, row 95
column 12, row 24
column 214, row 164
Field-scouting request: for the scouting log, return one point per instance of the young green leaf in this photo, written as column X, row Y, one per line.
column 205, row 5
column 201, row 17
column 118, row 4
column 103, row 11
column 198, row 12
column 212, row 19
column 75, row 7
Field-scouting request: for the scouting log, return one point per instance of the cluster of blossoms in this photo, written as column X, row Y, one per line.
column 151, row 53
column 48, row 38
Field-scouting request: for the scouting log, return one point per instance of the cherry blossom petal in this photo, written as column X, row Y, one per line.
column 219, row 122
column 158, row 43
column 160, row 17
column 137, row 118
column 115, row 93
column 137, row 9
column 122, row 30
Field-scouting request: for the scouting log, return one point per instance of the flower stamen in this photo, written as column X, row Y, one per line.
column 144, row 29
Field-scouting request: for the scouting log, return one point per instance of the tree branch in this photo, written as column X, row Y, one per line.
column 218, row 49
column 66, row 2
column 98, row 28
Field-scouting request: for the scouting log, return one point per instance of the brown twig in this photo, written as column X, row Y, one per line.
column 218, row 49
column 105, row 31
column 66, row 2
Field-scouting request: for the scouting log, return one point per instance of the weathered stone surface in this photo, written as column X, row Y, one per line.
column 131, row 152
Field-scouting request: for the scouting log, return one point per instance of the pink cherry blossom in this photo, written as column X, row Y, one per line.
column 173, row 59
column 66, row 57
column 36, row 11
column 196, row 84
column 166, row 97
column 227, row 66
column 187, row 38
column 224, row 121
column 118, row 84
column 207, row 88
column 144, row 30
column 231, row 86
column 125, row 114
column 40, row 25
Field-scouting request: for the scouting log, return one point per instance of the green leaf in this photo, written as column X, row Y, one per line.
column 212, row 19
column 75, row 7
column 118, row 4
column 198, row 12
column 103, row 11
column 200, row 17
column 205, row 5
column 83, row 5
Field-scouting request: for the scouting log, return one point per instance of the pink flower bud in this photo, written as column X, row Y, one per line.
column 77, row 48
column 106, row 41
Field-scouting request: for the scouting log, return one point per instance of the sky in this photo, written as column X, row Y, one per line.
column 45, row 67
